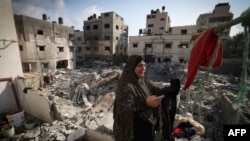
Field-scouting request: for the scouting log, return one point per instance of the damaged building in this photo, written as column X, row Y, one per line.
column 161, row 42
column 105, row 37
column 44, row 45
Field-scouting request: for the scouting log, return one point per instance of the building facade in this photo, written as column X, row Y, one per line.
column 44, row 45
column 105, row 36
column 221, row 14
column 172, row 47
column 157, row 22
column 163, row 43
column 79, row 48
column 160, row 42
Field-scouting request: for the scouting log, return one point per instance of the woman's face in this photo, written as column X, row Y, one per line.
column 140, row 69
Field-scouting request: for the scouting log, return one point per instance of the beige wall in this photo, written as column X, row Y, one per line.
column 53, row 36
column 34, row 102
column 159, row 26
column 10, row 63
column 117, row 31
column 221, row 14
column 158, row 44
column 79, row 56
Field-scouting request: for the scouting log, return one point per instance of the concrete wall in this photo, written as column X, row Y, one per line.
column 10, row 63
column 34, row 102
column 230, row 109
column 221, row 14
column 96, row 37
column 158, row 25
column 52, row 36
column 158, row 42
column 79, row 48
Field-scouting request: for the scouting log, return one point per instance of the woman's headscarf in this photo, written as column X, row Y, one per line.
column 129, row 69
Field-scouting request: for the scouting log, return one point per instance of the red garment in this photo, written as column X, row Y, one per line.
column 201, row 54
column 177, row 131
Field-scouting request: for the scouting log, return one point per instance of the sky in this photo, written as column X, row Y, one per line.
column 74, row 12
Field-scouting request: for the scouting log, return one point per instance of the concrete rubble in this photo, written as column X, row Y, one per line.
column 77, row 104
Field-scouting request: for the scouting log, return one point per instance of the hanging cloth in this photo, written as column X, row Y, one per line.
column 207, row 51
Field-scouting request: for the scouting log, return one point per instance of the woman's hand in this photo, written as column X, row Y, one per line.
column 154, row 101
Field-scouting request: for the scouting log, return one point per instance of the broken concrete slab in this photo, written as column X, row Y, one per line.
column 34, row 102
column 240, row 115
column 105, row 104
column 76, row 134
column 92, row 135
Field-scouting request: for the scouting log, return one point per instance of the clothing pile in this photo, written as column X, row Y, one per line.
column 187, row 128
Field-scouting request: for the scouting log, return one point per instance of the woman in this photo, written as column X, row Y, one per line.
column 136, row 107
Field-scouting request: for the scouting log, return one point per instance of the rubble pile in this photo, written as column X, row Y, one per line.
column 57, row 130
column 81, row 100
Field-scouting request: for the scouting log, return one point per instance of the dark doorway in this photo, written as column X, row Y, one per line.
column 62, row 64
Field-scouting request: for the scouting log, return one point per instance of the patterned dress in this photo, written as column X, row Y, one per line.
column 130, row 102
